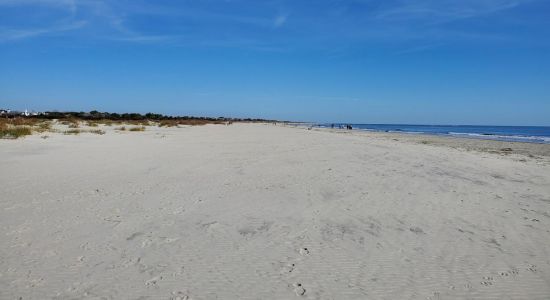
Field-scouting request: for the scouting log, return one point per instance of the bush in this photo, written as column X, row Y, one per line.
column 142, row 128
column 14, row 132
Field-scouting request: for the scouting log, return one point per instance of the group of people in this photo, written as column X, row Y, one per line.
column 341, row 126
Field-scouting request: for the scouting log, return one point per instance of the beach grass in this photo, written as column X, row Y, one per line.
column 189, row 122
column 72, row 131
column 44, row 126
column 7, row 132
column 97, row 131
column 18, row 127
column 168, row 123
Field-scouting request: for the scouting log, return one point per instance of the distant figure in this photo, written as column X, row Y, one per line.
column 332, row 126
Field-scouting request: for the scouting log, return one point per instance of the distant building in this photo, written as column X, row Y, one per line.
column 15, row 113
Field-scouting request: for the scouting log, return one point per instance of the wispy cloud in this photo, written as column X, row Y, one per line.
column 280, row 20
column 146, row 38
column 70, row 5
column 420, row 48
column 445, row 10
column 7, row 34
column 249, row 24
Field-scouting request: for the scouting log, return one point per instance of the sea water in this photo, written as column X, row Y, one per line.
column 532, row 134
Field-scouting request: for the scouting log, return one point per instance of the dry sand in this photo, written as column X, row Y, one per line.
column 257, row 211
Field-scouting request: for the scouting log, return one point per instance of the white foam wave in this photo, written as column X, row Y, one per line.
column 519, row 138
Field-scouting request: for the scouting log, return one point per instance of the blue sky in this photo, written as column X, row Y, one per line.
column 362, row 61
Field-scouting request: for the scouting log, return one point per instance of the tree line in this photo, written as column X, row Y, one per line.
column 96, row 115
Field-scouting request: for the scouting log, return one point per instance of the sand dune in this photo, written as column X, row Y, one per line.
column 257, row 211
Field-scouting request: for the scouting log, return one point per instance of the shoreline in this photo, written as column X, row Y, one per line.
column 451, row 130
column 471, row 144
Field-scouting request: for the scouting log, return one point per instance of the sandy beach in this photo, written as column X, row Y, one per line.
column 259, row 211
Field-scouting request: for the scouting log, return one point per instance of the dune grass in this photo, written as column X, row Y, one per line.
column 70, row 122
column 44, row 126
column 189, row 122
column 97, row 131
column 16, row 127
column 14, row 132
column 72, row 131
column 168, row 123
column 79, row 131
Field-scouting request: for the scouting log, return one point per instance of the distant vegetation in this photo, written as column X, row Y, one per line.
column 163, row 119
column 15, row 126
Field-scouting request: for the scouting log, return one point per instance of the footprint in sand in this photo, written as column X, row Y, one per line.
column 289, row 268
column 304, row 251
column 487, row 281
column 179, row 296
column 299, row 289
column 153, row 281
column 511, row 272
column 532, row 268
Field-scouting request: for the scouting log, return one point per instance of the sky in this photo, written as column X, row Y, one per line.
column 484, row 62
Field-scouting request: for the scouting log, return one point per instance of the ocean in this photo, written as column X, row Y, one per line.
column 531, row 134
